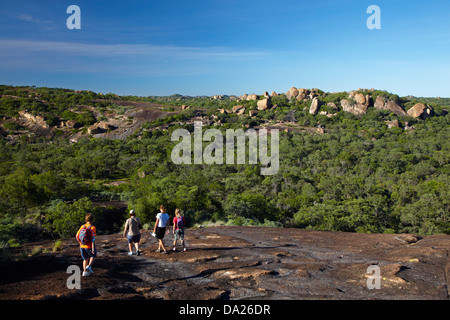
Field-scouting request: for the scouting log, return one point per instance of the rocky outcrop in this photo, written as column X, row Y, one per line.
column 239, row 109
column 353, row 107
column 361, row 98
column 357, row 103
column 31, row 119
column 94, row 129
column 34, row 124
column 332, row 105
column 264, row 104
column 121, row 126
column 73, row 124
column 253, row 113
column 247, row 97
column 300, row 94
column 303, row 94
column 293, row 92
column 106, row 126
column 314, row 108
column 380, row 103
column 385, row 104
column 419, row 110
column 235, row 263
column 393, row 124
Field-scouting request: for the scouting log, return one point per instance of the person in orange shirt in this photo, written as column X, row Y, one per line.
column 86, row 237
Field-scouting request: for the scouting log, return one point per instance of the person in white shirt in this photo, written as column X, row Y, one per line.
column 161, row 228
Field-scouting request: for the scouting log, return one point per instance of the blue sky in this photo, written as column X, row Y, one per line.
column 207, row 47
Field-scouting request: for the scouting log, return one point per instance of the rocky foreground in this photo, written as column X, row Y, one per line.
column 241, row 263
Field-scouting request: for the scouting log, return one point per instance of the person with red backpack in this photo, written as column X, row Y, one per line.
column 179, row 224
column 86, row 237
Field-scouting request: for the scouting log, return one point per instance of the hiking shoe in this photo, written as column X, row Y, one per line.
column 86, row 274
column 158, row 250
column 138, row 252
column 174, row 249
column 130, row 253
column 89, row 269
column 184, row 250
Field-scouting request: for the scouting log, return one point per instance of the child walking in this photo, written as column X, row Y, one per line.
column 161, row 226
column 179, row 224
column 86, row 237
column 132, row 232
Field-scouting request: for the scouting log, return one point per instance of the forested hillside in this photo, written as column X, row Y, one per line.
column 380, row 170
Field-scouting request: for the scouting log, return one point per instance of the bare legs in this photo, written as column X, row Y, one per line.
column 161, row 246
column 130, row 246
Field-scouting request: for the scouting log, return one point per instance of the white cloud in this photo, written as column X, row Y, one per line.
column 29, row 18
column 25, row 17
column 32, row 47
column 120, row 60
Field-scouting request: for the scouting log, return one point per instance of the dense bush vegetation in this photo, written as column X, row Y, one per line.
column 359, row 176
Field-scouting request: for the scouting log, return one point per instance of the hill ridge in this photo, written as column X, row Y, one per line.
column 41, row 111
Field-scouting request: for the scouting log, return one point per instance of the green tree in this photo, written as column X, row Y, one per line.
column 65, row 218
column 22, row 189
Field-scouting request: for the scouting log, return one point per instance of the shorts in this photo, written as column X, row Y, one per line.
column 160, row 232
column 87, row 253
column 135, row 238
column 179, row 235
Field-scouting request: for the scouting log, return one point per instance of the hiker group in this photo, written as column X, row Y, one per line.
column 132, row 232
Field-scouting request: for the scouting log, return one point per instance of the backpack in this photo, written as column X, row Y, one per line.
column 180, row 222
column 135, row 221
column 86, row 235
